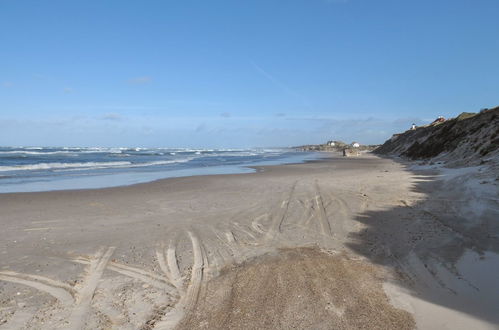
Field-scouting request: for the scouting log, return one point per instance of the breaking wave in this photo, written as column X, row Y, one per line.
column 87, row 165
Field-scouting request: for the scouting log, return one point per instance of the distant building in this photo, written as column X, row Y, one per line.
column 331, row 143
column 413, row 127
column 440, row 119
column 355, row 144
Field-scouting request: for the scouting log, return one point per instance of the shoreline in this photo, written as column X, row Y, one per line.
column 132, row 178
column 168, row 247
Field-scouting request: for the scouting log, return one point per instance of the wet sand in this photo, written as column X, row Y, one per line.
column 340, row 243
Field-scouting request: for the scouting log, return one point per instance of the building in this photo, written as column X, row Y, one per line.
column 355, row 144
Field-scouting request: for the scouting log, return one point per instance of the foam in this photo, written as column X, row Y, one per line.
column 49, row 166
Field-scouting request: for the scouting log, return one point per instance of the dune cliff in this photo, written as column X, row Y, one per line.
column 469, row 139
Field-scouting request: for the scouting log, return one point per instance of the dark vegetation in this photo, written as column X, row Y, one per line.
column 468, row 136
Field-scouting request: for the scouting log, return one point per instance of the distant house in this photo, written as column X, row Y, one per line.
column 331, row 143
column 355, row 144
column 413, row 127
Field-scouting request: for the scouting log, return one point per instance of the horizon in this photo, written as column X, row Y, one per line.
column 229, row 74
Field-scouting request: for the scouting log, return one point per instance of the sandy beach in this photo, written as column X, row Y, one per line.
column 338, row 243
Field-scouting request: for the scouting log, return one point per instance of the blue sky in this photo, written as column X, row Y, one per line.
column 240, row 73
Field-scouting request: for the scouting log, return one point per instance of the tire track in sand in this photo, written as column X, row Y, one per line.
column 188, row 300
column 61, row 291
column 255, row 224
column 342, row 217
column 279, row 216
column 145, row 276
column 231, row 243
column 169, row 266
column 87, row 289
column 325, row 226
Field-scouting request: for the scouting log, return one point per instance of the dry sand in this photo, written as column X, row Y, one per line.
column 341, row 243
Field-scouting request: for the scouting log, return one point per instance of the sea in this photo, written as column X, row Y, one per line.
column 27, row 169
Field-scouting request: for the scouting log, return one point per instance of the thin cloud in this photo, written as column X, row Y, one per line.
column 200, row 128
column 7, row 84
column 278, row 83
column 112, row 117
column 68, row 90
column 225, row 114
column 140, row 80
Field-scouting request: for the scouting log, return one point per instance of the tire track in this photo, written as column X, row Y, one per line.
column 150, row 278
column 244, row 230
column 308, row 212
column 230, row 237
column 86, row 292
column 190, row 298
column 162, row 261
column 58, row 290
column 176, row 278
column 342, row 211
column 325, row 226
column 256, row 225
column 232, row 247
column 279, row 218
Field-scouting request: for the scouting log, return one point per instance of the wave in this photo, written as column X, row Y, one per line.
column 87, row 165
column 50, row 166
column 22, row 152
column 59, row 152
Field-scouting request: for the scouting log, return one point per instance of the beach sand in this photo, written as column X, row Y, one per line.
column 339, row 243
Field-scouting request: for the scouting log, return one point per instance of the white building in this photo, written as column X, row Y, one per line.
column 355, row 144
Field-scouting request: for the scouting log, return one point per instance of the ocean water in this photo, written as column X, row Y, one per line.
column 25, row 169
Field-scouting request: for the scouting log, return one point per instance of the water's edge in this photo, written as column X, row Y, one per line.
column 118, row 179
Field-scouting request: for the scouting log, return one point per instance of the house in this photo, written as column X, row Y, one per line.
column 331, row 143
column 413, row 127
column 355, row 144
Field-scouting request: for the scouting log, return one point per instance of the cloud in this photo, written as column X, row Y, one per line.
column 280, row 114
column 225, row 114
column 140, row 80
column 112, row 117
column 147, row 130
column 200, row 128
column 279, row 84
column 68, row 90
column 7, row 84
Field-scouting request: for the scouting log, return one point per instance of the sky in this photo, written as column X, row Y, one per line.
column 240, row 73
